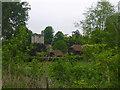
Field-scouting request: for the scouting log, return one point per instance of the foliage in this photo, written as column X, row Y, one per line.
column 76, row 38
column 90, row 50
column 36, row 71
column 44, row 59
column 97, row 67
column 37, row 48
column 101, row 20
column 17, row 48
column 23, row 75
column 60, row 45
column 112, row 30
column 13, row 15
column 59, row 36
column 60, row 71
column 101, row 73
column 96, row 16
column 48, row 34
column 41, row 54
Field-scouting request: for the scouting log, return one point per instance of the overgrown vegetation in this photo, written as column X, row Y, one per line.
column 97, row 69
column 25, row 65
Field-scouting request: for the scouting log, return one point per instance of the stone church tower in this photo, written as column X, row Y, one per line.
column 37, row 38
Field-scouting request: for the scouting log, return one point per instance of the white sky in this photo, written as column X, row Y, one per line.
column 60, row 14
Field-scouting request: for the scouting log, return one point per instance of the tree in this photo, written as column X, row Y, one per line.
column 48, row 34
column 21, row 38
column 109, row 34
column 17, row 48
column 26, row 30
column 13, row 15
column 112, row 29
column 96, row 16
column 76, row 38
column 59, row 36
column 76, row 33
column 37, row 48
column 60, row 45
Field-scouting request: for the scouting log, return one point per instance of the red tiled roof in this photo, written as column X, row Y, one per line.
column 77, row 47
column 56, row 52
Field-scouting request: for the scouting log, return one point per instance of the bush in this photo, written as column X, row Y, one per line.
column 101, row 72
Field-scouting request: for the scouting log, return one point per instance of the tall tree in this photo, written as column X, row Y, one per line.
column 48, row 34
column 96, row 16
column 13, row 15
column 112, row 29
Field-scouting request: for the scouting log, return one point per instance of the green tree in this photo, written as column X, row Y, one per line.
column 76, row 38
column 112, row 30
column 18, row 46
column 109, row 35
column 48, row 34
column 60, row 45
column 59, row 36
column 95, row 36
column 15, row 50
column 96, row 16
column 77, row 33
column 22, row 30
column 13, row 15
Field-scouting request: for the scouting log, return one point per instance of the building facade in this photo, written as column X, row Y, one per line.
column 37, row 38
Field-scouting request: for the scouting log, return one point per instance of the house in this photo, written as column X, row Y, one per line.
column 37, row 38
column 75, row 49
column 55, row 53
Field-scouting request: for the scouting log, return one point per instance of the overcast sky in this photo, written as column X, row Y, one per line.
column 60, row 14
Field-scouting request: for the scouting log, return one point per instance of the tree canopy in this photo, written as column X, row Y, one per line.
column 18, row 46
column 13, row 15
column 59, row 36
column 96, row 16
column 60, row 45
column 100, row 23
column 48, row 34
